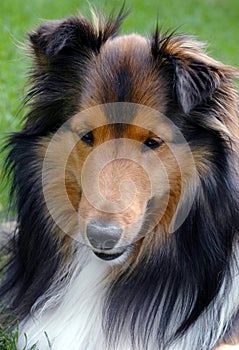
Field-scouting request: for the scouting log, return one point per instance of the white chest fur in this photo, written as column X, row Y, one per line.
column 76, row 323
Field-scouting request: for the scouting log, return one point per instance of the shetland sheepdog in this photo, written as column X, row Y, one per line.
column 125, row 181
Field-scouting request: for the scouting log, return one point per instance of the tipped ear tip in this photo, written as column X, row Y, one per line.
column 41, row 37
column 195, row 84
column 196, row 76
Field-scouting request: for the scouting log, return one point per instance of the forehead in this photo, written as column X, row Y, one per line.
column 125, row 71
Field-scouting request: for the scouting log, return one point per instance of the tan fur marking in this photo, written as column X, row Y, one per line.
column 147, row 88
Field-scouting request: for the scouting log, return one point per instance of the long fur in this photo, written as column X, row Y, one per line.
column 179, row 293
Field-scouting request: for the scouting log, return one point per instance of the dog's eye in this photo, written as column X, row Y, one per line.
column 152, row 143
column 87, row 138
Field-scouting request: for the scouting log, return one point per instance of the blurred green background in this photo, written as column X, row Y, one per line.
column 213, row 21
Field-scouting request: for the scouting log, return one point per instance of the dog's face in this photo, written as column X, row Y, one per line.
column 130, row 176
column 126, row 158
column 120, row 181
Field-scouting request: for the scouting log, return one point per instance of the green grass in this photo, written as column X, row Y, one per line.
column 213, row 21
column 9, row 339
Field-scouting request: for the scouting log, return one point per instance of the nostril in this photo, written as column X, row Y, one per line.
column 103, row 234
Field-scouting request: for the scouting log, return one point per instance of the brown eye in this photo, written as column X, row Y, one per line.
column 87, row 138
column 152, row 143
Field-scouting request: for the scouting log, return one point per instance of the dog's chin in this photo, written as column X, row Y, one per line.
column 116, row 255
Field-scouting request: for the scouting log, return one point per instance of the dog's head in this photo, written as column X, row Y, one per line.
column 127, row 127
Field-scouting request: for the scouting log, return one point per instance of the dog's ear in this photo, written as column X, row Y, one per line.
column 74, row 34
column 61, row 51
column 54, row 37
column 194, row 82
column 195, row 76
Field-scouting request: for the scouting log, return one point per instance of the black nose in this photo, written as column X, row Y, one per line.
column 103, row 234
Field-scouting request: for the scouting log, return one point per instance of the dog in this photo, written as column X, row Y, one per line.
column 125, row 181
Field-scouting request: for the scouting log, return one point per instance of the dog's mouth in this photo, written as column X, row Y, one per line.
column 108, row 256
column 105, row 256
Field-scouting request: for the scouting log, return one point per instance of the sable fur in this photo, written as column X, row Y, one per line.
column 171, row 290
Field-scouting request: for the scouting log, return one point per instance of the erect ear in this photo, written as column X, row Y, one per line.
column 195, row 75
